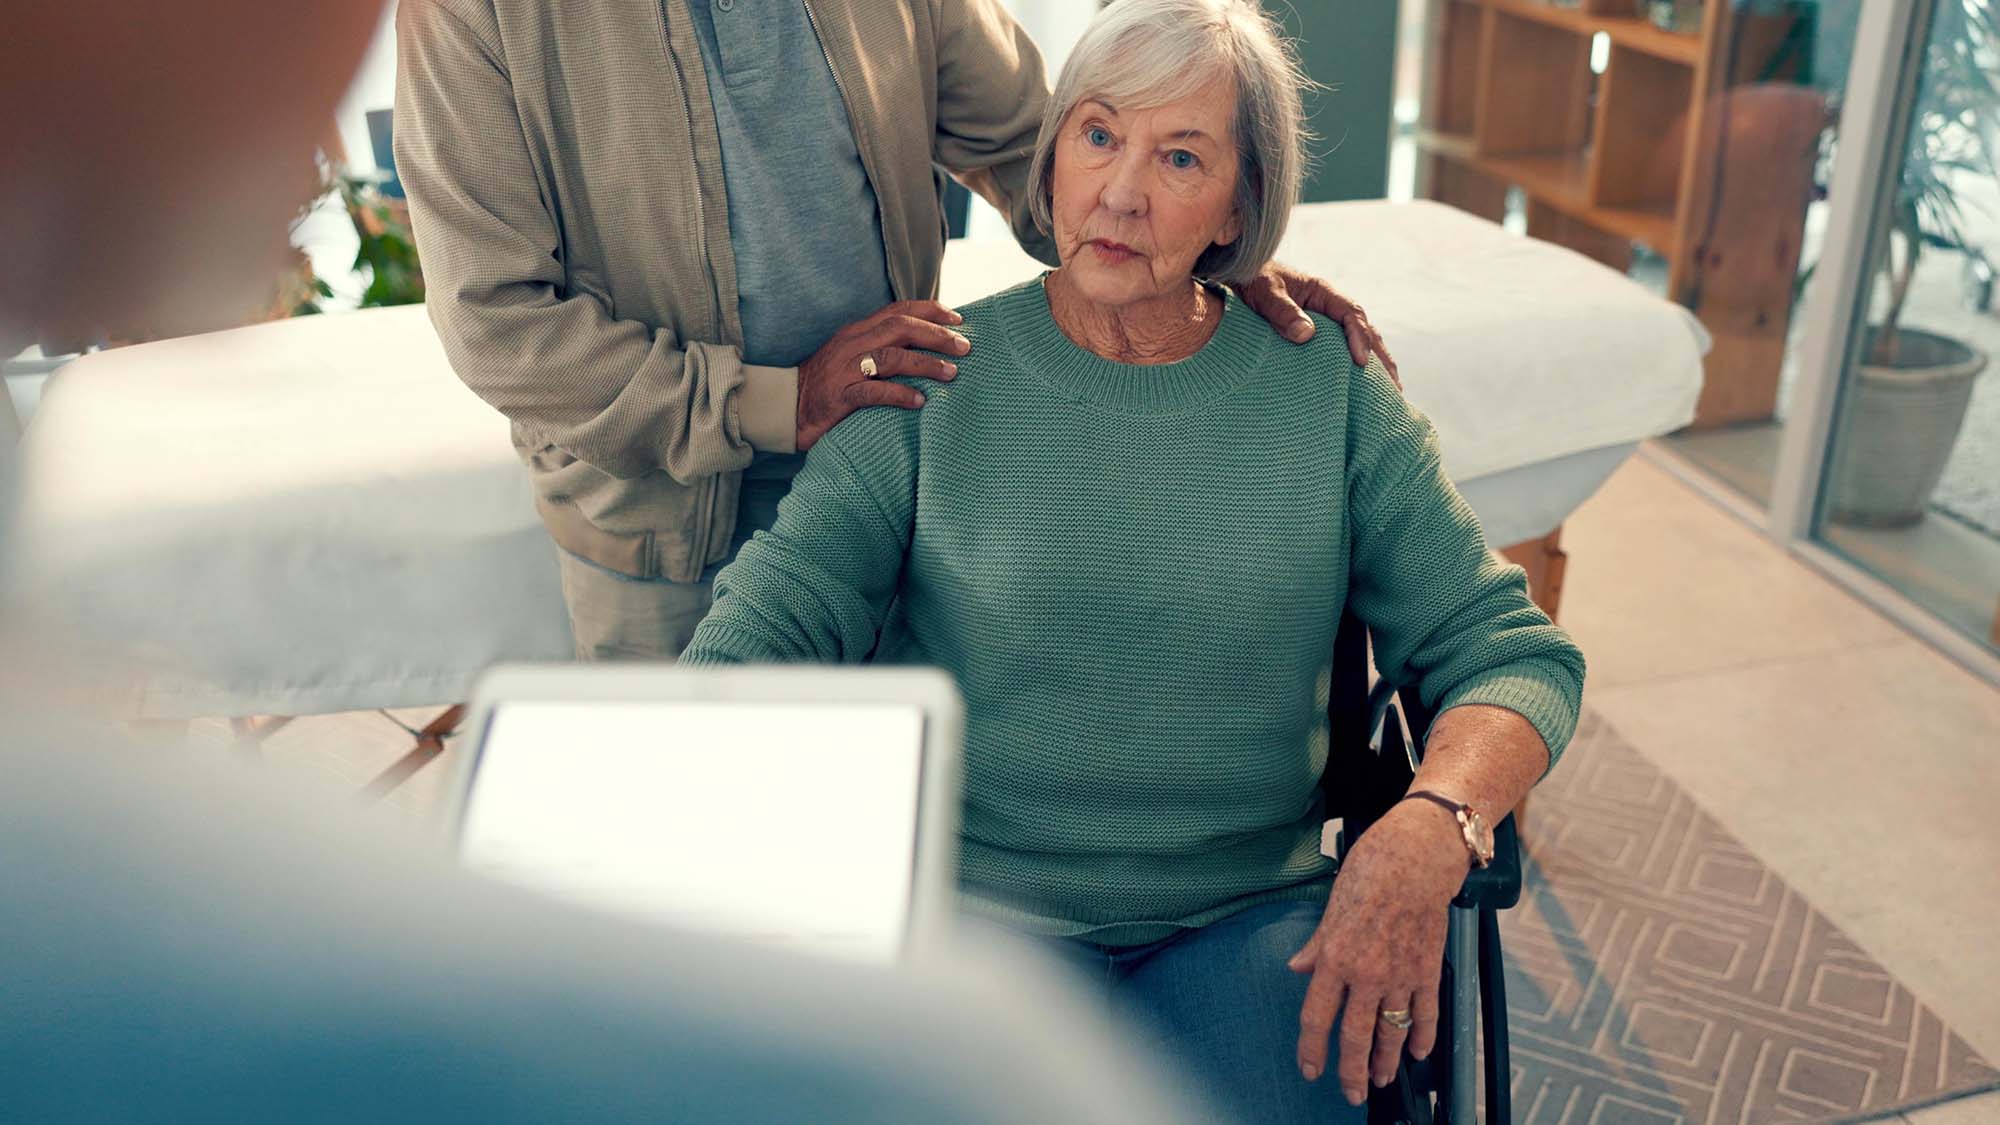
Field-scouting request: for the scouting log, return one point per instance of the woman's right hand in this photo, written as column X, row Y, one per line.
column 1380, row 947
column 832, row 383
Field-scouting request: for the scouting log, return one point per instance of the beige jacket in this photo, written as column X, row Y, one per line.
column 565, row 184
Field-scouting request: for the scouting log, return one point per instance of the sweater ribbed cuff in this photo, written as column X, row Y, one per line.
column 1533, row 689
column 713, row 647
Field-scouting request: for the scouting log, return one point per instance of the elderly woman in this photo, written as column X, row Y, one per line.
column 1128, row 527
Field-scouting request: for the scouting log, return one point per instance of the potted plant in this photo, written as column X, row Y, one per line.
column 386, row 254
column 1907, row 404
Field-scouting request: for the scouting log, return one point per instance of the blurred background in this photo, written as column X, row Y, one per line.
column 1847, row 409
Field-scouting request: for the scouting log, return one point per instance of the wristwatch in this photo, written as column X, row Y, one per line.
column 1473, row 827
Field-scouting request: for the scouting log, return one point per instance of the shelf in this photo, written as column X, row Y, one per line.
column 1653, row 226
column 1558, row 177
column 1641, row 136
column 1452, row 101
column 1627, row 152
column 1458, row 146
column 1560, row 180
column 1630, row 32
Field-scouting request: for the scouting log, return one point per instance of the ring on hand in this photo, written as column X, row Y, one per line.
column 1398, row 1018
column 868, row 367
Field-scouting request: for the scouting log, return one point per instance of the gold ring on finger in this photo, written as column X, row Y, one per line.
column 1398, row 1018
column 868, row 368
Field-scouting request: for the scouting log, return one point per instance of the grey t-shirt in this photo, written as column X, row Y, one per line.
column 803, row 221
column 805, row 225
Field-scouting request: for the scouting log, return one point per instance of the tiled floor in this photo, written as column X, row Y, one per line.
column 1658, row 971
column 348, row 751
column 1855, row 763
column 1977, row 1109
column 1851, row 759
column 1942, row 563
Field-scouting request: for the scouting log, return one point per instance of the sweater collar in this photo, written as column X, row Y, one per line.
column 1232, row 355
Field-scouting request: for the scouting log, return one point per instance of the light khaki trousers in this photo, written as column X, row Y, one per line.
column 614, row 616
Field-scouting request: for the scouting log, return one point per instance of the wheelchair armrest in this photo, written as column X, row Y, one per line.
column 1498, row 884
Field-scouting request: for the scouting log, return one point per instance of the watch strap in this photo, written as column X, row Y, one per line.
column 1450, row 806
column 1460, row 812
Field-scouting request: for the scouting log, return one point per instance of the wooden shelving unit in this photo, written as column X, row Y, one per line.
column 1637, row 154
column 1629, row 30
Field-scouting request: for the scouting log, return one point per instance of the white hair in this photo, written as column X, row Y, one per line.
column 1147, row 53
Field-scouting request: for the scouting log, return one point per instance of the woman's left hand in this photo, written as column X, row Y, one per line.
column 1380, row 945
column 1282, row 296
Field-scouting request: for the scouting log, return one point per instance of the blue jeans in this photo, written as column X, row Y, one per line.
column 1219, row 1006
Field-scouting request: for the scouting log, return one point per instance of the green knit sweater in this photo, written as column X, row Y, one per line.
column 1135, row 574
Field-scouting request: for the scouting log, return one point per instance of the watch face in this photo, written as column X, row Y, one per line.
column 1481, row 834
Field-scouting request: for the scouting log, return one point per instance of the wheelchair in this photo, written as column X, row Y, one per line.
column 1371, row 759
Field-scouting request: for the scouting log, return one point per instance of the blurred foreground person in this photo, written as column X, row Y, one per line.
column 180, row 939
column 187, row 942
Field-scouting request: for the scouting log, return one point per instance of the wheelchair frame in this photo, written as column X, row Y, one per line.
column 1371, row 760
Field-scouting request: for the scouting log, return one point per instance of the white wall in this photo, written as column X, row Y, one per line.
column 374, row 88
column 1056, row 26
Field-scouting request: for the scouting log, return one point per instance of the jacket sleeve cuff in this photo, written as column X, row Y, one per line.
column 767, row 408
column 1535, row 693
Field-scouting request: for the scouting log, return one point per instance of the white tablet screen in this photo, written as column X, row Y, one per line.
column 789, row 822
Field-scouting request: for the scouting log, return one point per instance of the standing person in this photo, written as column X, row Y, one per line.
column 677, row 243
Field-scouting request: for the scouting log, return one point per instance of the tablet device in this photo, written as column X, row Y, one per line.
column 808, row 807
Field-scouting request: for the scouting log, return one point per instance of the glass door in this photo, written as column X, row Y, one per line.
column 1909, row 491
column 1760, row 200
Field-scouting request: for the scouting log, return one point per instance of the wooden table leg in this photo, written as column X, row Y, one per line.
column 1546, row 562
column 430, row 743
column 251, row 732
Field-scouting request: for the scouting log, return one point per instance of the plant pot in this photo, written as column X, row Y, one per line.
column 1898, row 428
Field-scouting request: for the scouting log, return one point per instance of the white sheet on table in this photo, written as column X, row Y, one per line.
column 305, row 516
column 1519, row 351
column 1529, row 501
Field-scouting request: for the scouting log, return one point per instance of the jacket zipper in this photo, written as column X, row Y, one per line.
column 700, row 208
column 861, row 143
column 706, row 492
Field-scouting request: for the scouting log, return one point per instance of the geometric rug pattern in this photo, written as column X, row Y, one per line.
column 1657, row 972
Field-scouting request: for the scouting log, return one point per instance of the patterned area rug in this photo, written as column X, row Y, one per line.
column 1657, row 972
